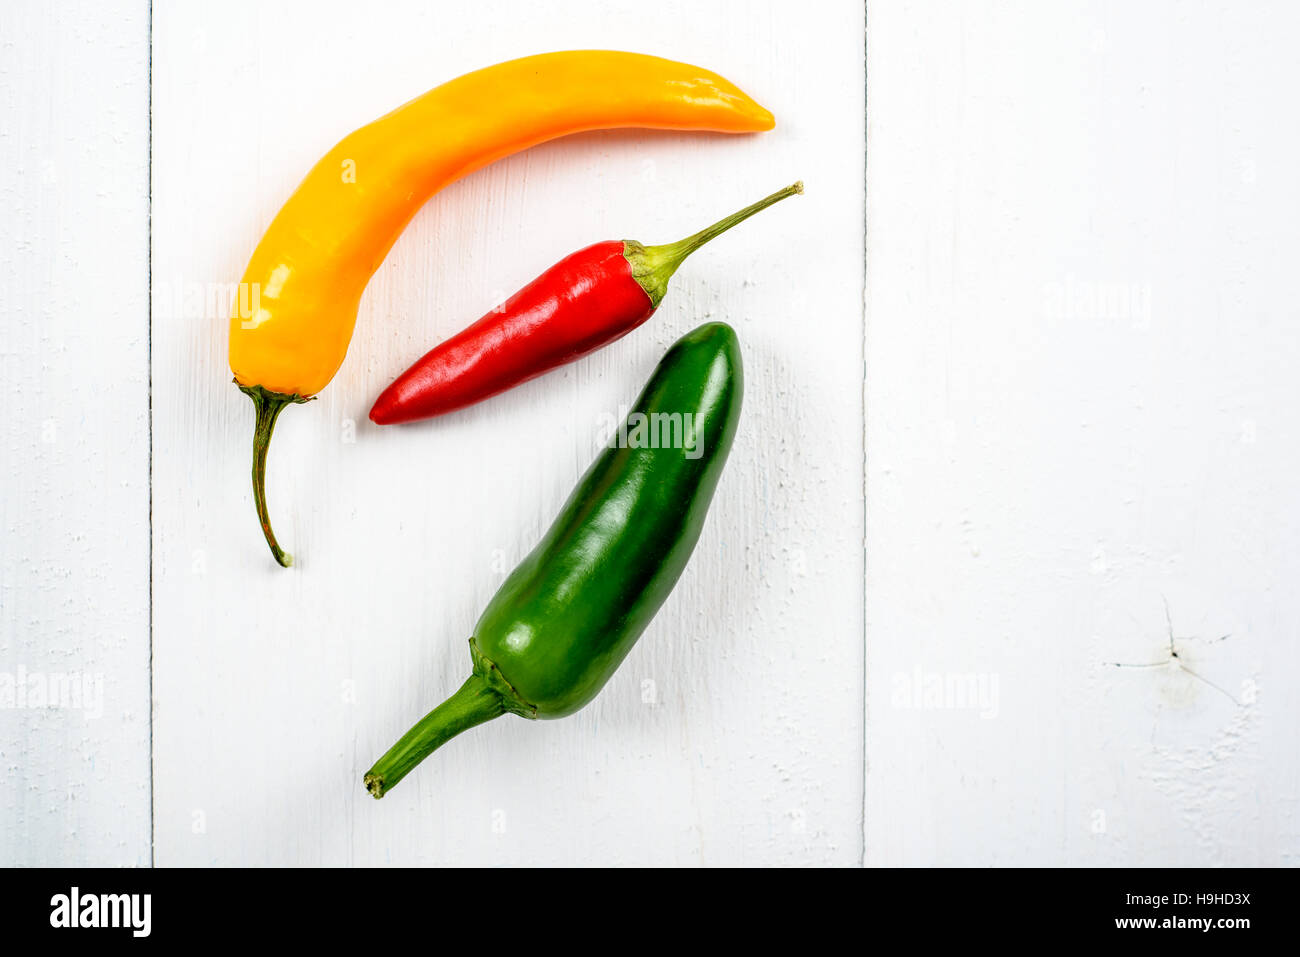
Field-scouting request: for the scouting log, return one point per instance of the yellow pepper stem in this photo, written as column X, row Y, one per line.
column 268, row 405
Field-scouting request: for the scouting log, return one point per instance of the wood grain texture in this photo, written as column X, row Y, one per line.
column 732, row 734
column 1082, row 407
column 74, row 406
column 1081, row 412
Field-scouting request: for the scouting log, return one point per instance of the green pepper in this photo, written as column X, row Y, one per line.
column 564, row 620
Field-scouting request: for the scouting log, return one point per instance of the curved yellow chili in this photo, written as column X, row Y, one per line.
column 298, row 299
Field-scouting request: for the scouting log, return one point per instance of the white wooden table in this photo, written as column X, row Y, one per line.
column 1078, row 339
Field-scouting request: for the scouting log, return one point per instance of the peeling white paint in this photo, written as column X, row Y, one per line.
column 750, row 751
column 1080, row 330
column 1081, row 399
column 74, row 405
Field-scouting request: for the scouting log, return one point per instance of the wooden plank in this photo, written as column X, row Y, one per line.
column 74, row 427
column 1082, row 407
column 732, row 734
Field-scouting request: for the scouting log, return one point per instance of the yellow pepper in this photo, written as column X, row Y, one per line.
column 297, row 305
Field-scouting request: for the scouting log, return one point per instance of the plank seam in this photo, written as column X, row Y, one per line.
column 862, row 861
column 153, row 841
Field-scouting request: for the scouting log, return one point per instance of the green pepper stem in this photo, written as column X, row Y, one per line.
column 653, row 266
column 269, row 405
column 475, row 703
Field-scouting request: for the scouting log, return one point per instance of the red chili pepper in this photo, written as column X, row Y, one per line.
column 583, row 302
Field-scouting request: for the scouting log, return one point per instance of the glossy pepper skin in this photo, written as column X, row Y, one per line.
column 564, row 620
column 293, row 320
column 583, row 302
column 575, row 307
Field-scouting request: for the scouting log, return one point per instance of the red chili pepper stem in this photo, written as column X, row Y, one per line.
column 653, row 266
column 475, row 702
column 269, row 405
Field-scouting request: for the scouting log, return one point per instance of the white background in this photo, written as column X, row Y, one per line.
column 1079, row 421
